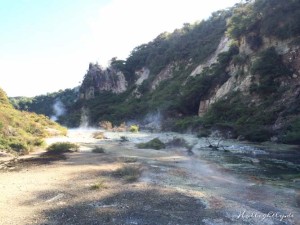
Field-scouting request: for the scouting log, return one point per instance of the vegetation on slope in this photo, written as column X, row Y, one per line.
column 44, row 104
column 21, row 132
column 269, row 18
column 187, row 46
column 251, row 115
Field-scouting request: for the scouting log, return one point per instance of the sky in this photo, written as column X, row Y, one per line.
column 47, row 45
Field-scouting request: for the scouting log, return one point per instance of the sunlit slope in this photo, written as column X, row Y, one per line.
column 21, row 131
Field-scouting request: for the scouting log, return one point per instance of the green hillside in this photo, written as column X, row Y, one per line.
column 237, row 72
column 20, row 131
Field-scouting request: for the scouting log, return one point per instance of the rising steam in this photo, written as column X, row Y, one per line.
column 58, row 109
column 84, row 120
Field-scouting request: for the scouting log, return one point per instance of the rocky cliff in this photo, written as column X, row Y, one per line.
column 238, row 70
column 100, row 80
column 241, row 78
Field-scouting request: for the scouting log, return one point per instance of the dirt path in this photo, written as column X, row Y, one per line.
column 172, row 188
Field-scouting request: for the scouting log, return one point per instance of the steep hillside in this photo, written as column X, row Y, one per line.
column 21, row 132
column 237, row 72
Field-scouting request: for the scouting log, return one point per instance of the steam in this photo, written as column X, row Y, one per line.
column 58, row 109
column 84, row 120
column 153, row 120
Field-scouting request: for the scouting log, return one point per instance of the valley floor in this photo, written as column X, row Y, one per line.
column 174, row 188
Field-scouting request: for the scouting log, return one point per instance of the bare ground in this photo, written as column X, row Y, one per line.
column 173, row 188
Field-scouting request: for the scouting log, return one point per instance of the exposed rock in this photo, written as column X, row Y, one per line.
column 99, row 79
column 223, row 47
column 89, row 93
column 142, row 74
column 282, row 46
column 204, row 105
column 290, row 55
column 165, row 74
column 244, row 47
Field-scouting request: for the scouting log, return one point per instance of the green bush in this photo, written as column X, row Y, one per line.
column 203, row 133
column 255, row 41
column 239, row 59
column 124, row 139
column 236, row 111
column 62, row 147
column 255, row 133
column 269, row 63
column 134, row 128
column 270, row 18
column 153, row 144
column 98, row 150
column 268, row 66
column 292, row 135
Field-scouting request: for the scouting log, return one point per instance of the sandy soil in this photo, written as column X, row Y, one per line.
column 173, row 188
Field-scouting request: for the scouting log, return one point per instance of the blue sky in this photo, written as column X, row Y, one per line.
column 46, row 45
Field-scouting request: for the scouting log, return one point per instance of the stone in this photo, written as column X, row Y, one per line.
column 99, row 79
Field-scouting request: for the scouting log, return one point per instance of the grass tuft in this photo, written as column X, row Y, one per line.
column 129, row 173
column 99, row 185
column 62, row 147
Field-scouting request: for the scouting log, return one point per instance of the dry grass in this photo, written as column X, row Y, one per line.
column 129, row 173
column 98, row 185
column 99, row 135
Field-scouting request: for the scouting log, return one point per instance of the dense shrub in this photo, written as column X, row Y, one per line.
column 268, row 66
column 134, row 128
column 236, row 112
column 275, row 18
column 292, row 135
column 98, row 150
column 62, row 147
column 153, row 144
column 186, row 123
column 255, row 133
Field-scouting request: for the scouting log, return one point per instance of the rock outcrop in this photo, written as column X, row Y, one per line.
column 142, row 75
column 165, row 74
column 222, row 47
column 290, row 55
column 98, row 79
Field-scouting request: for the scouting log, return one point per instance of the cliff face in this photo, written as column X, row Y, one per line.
column 241, row 77
column 239, row 68
column 102, row 80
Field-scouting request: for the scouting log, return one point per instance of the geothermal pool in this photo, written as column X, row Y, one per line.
column 246, row 182
column 273, row 163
